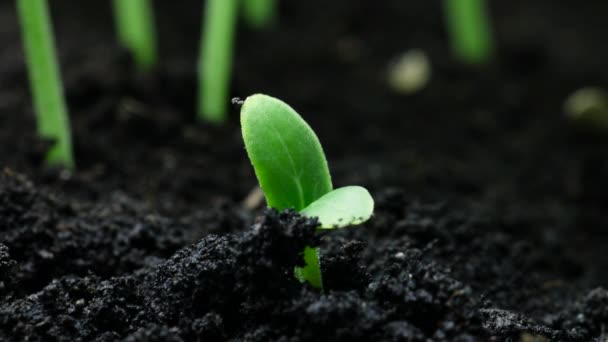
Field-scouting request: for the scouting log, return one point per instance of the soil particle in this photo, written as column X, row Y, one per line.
column 589, row 316
column 241, row 286
column 343, row 270
column 7, row 266
column 50, row 237
column 207, row 290
column 506, row 324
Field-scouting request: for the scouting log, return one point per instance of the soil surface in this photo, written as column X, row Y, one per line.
column 490, row 219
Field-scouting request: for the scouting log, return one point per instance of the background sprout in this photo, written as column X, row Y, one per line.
column 259, row 13
column 45, row 81
column 469, row 28
column 215, row 62
column 292, row 170
column 135, row 28
column 588, row 108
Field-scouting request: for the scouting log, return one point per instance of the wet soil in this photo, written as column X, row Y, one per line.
column 489, row 221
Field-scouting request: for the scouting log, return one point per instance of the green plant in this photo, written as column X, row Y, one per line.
column 45, row 81
column 469, row 28
column 292, row 170
column 135, row 27
column 215, row 62
column 259, row 13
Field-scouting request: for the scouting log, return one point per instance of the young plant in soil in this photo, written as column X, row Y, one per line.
column 215, row 61
column 469, row 28
column 45, row 80
column 259, row 13
column 292, row 170
column 135, row 27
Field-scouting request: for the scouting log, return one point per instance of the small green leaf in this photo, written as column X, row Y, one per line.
column 347, row 206
column 285, row 152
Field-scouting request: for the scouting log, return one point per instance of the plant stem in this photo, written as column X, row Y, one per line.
column 312, row 271
column 259, row 13
column 215, row 63
column 135, row 27
column 469, row 26
column 45, row 80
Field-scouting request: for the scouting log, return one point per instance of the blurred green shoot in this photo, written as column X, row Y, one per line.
column 259, row 13
column 469, row 26
column 215, row 61
column 45, row 80
column 135, row 27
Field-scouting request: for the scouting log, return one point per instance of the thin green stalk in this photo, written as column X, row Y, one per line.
column 45, row 80
column 311, row 272
column 215, row 63
column 470, row 30
column 259, row 13
column 135, row 27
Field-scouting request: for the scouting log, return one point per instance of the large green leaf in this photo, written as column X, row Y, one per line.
column 285, row 152
column 347, row 206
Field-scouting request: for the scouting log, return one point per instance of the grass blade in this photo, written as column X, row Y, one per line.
column 469, row 27
column 135, row 27
column 259, row 13
column 45, row 80
column 215, row 63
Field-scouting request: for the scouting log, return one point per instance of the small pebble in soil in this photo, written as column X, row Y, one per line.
column 410, row 73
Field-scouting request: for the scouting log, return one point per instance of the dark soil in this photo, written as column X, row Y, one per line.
column 489, row 222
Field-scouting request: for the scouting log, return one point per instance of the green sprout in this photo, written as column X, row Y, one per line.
column 45, row 82
column 292, row 170
column 259, row 13
column 469, row 27
column 215, row 62
column 135, row 28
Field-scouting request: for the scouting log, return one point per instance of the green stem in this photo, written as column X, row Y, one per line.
column 215, row 63
column 45, row 80
column 259, row 13
column 312, row 271
column 469, row 26
column 135, row 27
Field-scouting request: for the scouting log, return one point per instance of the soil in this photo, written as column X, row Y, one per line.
column 489, row 221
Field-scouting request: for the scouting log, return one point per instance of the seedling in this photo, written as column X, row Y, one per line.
column 215, row 62
column 469, row 28
column 135, row 27
column 45, row 81
column 292, row 170
column 259, row 13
